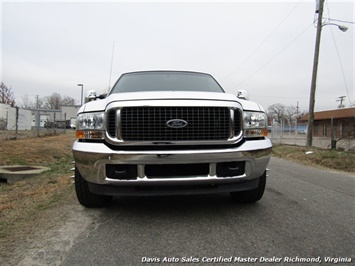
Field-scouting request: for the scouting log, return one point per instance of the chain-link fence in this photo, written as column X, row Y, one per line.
column 17, row 123
column 291, row 136
column 278, row 132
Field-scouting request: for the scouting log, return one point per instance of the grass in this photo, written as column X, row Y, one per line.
column 23, row 201
column 333, row 159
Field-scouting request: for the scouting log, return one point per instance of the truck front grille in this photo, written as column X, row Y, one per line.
column 151, row 123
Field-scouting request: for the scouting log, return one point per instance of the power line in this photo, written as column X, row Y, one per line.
column 261, row 44
column 272, row 58
column 341, row 64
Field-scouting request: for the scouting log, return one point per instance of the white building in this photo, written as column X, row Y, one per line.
column 50, row 117
column 28, row 119
column 8, row 118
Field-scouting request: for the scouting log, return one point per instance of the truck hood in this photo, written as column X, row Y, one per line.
column 100, row 105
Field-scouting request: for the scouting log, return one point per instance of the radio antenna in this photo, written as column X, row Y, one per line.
column 109, row 82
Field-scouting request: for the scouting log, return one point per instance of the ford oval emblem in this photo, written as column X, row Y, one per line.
column 176, row 123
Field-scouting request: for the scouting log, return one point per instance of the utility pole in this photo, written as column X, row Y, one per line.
column 314, row 76
column 341, row 101
column 37, row 101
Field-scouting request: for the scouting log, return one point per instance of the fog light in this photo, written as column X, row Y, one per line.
column 229, row 169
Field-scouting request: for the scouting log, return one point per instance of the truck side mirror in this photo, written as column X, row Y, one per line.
column 92, row 96
column 243, row 94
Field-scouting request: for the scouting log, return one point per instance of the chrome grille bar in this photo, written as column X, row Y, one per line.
column 142, row 124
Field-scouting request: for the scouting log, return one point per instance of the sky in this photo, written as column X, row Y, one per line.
column 264, row 47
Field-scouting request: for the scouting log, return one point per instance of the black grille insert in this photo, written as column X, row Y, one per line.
column 111, row 125
column 150, row 123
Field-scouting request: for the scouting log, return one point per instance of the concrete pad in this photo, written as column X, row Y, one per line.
column 14, row 173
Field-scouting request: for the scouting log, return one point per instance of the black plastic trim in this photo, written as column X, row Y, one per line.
column 172, row 189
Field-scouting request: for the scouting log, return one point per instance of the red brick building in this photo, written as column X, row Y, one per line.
column 343, row 121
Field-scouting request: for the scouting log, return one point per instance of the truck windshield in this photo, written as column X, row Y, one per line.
column 166, row 81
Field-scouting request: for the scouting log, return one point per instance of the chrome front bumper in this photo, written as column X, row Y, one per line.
column 91, row 160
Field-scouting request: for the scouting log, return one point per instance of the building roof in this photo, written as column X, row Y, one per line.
column 335, row 114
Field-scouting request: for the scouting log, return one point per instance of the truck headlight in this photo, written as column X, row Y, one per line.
column 90, row 125
column 255, row 124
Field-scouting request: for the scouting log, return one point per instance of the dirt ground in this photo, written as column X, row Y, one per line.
column 46, row 237
column 35, row 210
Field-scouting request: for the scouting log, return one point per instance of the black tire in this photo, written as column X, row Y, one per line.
column 86, row 197
column 251, row 196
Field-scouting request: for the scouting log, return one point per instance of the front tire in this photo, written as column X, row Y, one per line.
column 85, row 196
column 253, row 195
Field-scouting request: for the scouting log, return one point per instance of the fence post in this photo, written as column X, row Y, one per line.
column 333, row 142
column 38, row 122
column 7, row 120
column 16, row 125
column 65, row 124
column 55, row 125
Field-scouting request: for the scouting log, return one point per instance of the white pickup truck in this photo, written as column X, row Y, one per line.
column 169, row 133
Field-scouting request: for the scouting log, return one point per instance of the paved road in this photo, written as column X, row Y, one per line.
column 306, row 213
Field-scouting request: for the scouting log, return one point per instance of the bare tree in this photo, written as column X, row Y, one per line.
column 68, row 100
column 6, row 95
column 277, row 111
column 291, row 113
column 56, row 100
column 27, row 103
column 53, row 102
